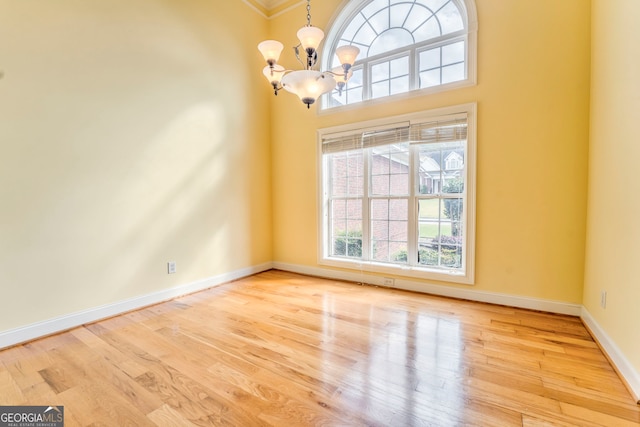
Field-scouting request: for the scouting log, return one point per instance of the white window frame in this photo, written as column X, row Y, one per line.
column 422, row 272
column 468, row 35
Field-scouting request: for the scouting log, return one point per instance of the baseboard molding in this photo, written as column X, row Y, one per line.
column 627, row 372
column 52, row 326
column 440, row 290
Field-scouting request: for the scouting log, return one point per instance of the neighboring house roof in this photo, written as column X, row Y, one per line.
column 428, row 164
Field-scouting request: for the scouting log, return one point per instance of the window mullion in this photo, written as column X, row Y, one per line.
column 366, row 220
column 412, row 223
column 366, row 80
column 414, row 73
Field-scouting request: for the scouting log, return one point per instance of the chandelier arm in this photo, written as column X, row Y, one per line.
column 343, row 75
column 296, row 49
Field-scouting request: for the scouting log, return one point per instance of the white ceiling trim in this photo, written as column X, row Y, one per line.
column 269, row 5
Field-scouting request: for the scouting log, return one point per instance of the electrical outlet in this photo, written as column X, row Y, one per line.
column 603, row 299
column 171, row 267
column 388, row 282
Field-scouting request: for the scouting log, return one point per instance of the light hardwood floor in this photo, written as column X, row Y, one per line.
column 279, row 349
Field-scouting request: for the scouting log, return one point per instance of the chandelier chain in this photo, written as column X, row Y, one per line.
column 309, row 13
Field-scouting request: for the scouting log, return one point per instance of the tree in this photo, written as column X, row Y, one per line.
column 453, row 207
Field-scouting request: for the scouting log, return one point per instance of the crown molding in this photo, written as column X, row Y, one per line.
column 270, row 9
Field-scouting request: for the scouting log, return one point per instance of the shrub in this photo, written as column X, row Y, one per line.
column 348, row 243
column 449, row 242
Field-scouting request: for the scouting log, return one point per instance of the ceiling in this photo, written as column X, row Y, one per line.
column 270, row 4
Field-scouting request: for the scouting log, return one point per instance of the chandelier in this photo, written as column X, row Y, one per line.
column 308, row 83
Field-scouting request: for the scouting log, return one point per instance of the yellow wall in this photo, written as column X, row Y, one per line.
column 533, row 112
column 132, row 132
column 613, row 236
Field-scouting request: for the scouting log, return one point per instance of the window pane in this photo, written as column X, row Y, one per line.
column 398, row 252
column 453, row 53
column 356, row 79
column 354, row 209
column 389, row 230
column 452, row 73
column 450, row 19
column 337, row 99
column 452, row 257
column 398, row 209
column 354, row 247
column 365, row 36
column 380, row 163
column 380, row 72
column 430, row 173
column 452, row 209
column 399, row 13
column 429, row 209
column 350, row 32
column 339, row 175
column 399, row 184
column 380, row 209
column 354, row 228
column 399, row 85
column 373, row 7
column 399, row 158
column 379, row 230
column 430, row 78
column 433, row 4
column 346, row 227
column 339, row 214
column 380, row 185
column 427, row 30
column 354, row 95
column 430, row 59
column 428, row 231
column 347, row 174
column 379, row 90
column 399, row 67
column 418, row 16
column 390, row 170
column 380, row 250
column 355, row 186
column 398, row 231
column 380, row 21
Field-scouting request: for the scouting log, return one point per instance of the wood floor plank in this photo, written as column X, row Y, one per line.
column 281, row 349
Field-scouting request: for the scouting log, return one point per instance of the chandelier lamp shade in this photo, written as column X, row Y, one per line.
column 308, row 84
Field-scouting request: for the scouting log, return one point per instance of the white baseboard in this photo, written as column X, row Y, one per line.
column 58, row 324
column 466, row 293
column 617, row 358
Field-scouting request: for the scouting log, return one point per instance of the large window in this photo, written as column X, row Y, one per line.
column 398, row 196
column 405, row 45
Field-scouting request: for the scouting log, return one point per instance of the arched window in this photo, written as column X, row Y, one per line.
column 405, row 45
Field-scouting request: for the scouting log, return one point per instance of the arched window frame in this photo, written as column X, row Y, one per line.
column 351, row 8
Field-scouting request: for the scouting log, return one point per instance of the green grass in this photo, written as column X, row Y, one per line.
column 429, row 208
column 431, row 229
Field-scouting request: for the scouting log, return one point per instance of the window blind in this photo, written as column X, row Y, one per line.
column 448, row 130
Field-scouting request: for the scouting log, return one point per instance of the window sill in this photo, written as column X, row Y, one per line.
column 442, row 275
